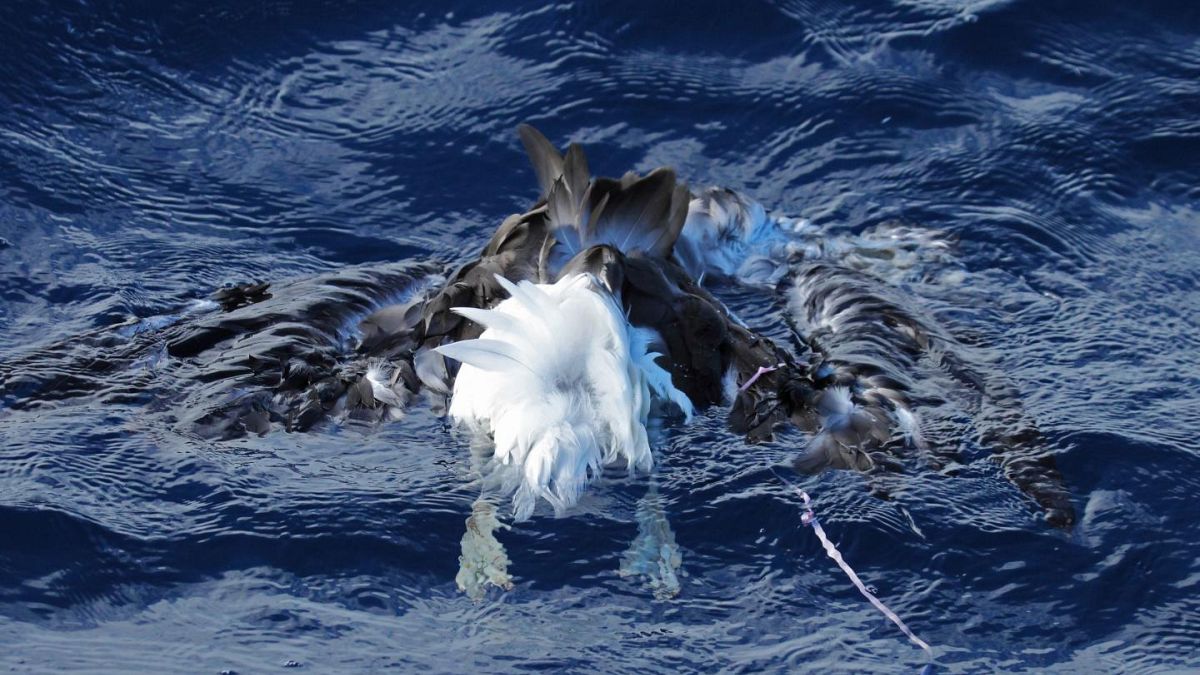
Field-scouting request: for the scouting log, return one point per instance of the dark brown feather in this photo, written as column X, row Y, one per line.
column 546, row 160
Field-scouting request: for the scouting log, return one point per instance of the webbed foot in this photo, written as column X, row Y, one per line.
column 483, row 561
column 654, row 553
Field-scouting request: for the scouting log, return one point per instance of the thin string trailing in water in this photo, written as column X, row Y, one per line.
column 809, row 518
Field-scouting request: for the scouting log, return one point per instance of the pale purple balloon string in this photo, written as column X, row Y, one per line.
column 810, row 518
column 762, row 370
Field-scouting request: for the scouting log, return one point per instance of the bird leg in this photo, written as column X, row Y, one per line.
column 654, row 553
column 483, row 560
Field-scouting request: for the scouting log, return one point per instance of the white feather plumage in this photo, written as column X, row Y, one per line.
column 910, row 426
column 563, row 384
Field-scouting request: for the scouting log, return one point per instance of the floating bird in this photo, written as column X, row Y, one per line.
column 579, row 321
column 587, row 308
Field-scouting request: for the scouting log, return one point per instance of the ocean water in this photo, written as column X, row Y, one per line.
column 1024, row 174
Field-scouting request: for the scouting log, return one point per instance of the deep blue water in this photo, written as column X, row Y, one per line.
column 152, row 152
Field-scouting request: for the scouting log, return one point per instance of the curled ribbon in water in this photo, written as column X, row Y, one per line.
column 809, row 518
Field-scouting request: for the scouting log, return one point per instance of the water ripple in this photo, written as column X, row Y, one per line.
column 1021, row 175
